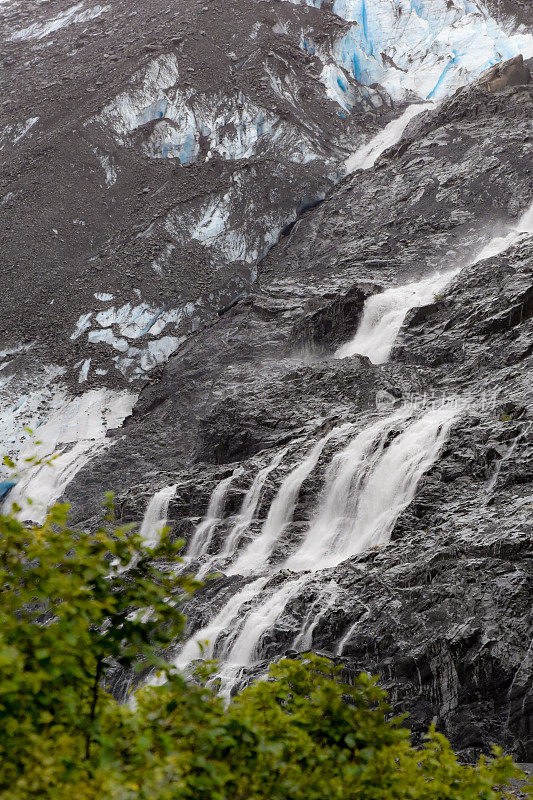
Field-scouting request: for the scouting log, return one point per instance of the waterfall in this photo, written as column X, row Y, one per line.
column 491, row 483
column 346, row 638
column 368, row 154
column 281, row 511
column 501, row 243
column 202, row 644
column 155, row 516
column 383, row 316
column 366, row 487
column 245, row 516
column 384, row 313
column 203, row 535
column 337, row 504
column 260, row 619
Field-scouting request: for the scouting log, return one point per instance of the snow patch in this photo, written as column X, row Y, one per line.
column 12, row 134
column 74, row 14
column 84, row 371
column 72, row 434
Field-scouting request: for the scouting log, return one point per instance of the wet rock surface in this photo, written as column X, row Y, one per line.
column 442, row 613
column 442, row 610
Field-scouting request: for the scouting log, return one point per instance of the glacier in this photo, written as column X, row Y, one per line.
column 116, row 327
column 178, row 120
column 421, row 48
column 73, row 432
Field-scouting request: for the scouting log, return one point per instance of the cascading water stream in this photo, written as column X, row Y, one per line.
column 250, row 503
column 349, row 633
column 384, row 313
column 204, row 641
column 245, row 516
column 499, row 244
column 367, row 485
column 491, row 483
column 203, row 535
column 304, row 638
column 155, row 516
column 383, row 316
column 259, row 619
column 368, row 154
column 281, row 512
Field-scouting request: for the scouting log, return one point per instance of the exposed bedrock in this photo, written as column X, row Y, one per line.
column 256, row 405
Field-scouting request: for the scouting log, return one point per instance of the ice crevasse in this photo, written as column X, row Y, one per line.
column 426, row 48
column 232, row 127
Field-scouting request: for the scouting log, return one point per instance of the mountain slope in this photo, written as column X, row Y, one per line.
column 320, row 379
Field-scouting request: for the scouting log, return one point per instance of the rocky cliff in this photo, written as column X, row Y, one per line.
column 316, row 328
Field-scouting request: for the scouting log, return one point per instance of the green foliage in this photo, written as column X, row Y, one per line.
column 70, row 602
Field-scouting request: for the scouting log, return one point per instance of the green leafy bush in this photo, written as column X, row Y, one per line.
column 71, row 604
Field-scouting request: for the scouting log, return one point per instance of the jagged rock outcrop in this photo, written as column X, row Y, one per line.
column 510, row 73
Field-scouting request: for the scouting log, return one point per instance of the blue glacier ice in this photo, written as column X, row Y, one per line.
column 154, row 111
column 308, row 46
column 421, row 48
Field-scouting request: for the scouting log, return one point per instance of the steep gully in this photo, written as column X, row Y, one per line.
column 369, row 478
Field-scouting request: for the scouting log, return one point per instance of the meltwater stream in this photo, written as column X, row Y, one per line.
column 384, row 313
column 499, row 244
column 368, row 154
column 204, row 533
column 368, row 479
column 155, row 516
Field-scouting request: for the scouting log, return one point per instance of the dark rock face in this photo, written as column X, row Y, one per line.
column 440, row 606
column 511, row 73
column 443, row 613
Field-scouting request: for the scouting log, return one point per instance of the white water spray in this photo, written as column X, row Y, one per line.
column 281, row 512
column 368, row 154
column 501, row 243
column 259, row 620
column 383, row 316
column 368, row 485
column 202, row 643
